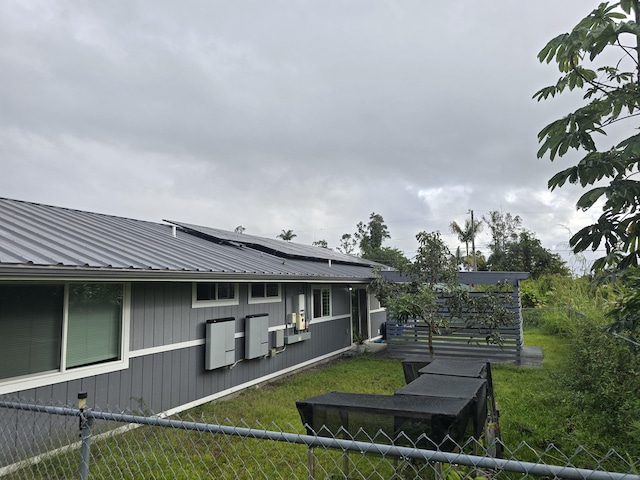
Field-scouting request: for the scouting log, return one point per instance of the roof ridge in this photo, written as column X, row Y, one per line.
column 77, row 210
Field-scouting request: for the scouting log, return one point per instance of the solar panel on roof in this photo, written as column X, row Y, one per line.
column 280, row 246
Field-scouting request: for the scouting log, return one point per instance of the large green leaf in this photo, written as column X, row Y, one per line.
column 587, row 200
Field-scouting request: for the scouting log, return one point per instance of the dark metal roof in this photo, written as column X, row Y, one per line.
column 41, row 237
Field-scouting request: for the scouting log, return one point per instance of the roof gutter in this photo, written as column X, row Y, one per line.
column 43, row 273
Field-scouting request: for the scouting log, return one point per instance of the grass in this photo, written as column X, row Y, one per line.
column 532, row 402
column 276, row 402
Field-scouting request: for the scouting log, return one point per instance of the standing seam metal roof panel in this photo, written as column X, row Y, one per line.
column 98, row 241
column 145, row 245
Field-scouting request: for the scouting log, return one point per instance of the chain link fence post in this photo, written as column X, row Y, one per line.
column 85, row 435
column 311, row 463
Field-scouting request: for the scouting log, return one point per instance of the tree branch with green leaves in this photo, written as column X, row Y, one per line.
column 601, row 57
column 612, row 95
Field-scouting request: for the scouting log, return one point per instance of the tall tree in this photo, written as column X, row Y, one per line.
column 369, row 238
column 371, row 235
column 286, row 235
column 504, row 228
column 601, row 57
column 527, row 254
column 467, row 233
column 516, row 249
column 459, row 258
column 347, row 244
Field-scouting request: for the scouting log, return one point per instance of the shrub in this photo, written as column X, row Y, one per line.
column 604, row 373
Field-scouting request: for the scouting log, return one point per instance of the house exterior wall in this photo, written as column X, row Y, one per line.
column 167, row 380
column 377, row 315
column 167, row 350
column 341, row 300
column 377, row 319
column 166, row 370
column 121, row 318
column 162, row 313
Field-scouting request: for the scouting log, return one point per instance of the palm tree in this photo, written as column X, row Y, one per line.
column 287, row 235
column 466, row 234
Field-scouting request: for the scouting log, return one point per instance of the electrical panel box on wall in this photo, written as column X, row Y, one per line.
column 298, row 303
column 220, row 343
column 300, row 322
column 279, row 341
column 256, row 336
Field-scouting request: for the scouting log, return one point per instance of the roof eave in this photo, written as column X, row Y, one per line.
column 15, row 273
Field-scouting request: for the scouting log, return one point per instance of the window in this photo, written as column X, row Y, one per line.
column 94, row 324
column 264, row 292
column 214, row 294
column 321, row 302
column 31, row 322
column 57, row 328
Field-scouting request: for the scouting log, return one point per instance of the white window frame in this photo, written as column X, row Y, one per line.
column 226, row 302
column 313, row 313
column 253, row 300
column 35, row 380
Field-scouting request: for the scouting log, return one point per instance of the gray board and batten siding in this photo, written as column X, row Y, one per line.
column 170, row 380
column 166, row 354
column 410, row 339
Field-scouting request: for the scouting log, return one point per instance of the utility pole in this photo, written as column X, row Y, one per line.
column 473, row 241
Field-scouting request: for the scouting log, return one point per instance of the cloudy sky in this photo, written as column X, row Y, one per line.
column 306, row 115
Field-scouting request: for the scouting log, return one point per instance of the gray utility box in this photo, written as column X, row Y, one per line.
column 256, row 336
column 220, row 343
column 297, row 337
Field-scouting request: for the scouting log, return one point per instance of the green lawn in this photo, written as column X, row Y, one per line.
column 276, row 402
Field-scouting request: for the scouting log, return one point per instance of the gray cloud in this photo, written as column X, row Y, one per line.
column 300, row 115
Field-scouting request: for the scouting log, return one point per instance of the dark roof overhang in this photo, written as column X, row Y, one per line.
column 16, row 273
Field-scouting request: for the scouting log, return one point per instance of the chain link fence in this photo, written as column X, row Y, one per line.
column 39, row 441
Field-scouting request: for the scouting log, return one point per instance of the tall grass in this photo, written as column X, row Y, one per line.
column 557, row 303
column 598, row 373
